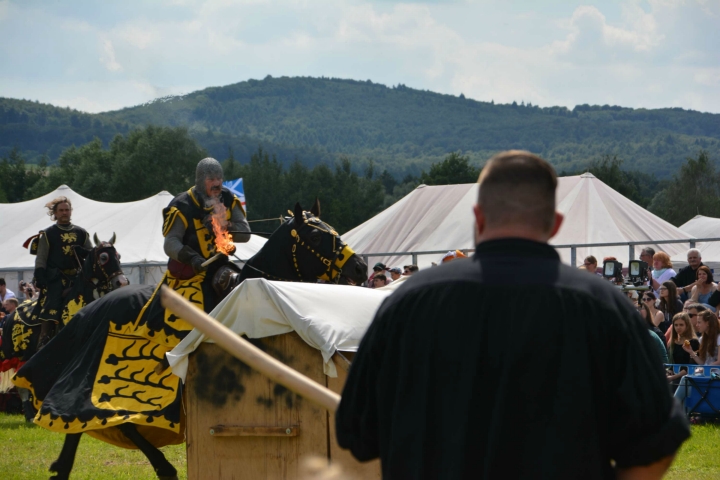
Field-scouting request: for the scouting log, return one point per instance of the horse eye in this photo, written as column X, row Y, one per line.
column 315, row 238
column 103, row 258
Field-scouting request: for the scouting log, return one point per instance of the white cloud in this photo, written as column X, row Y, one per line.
column 645, row 53
column 108, row 57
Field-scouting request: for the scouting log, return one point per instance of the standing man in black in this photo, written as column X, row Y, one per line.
column 56, row 263
column 476, row 370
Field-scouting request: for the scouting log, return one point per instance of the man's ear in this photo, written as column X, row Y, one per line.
column 479, row 222
column 559, row 217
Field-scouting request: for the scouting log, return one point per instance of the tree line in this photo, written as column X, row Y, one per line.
column 404, row 130
column 148, row 160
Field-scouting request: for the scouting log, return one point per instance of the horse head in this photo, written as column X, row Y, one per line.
column 315, row 251
column 101, row 265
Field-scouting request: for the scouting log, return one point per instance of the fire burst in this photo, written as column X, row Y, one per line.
column 223, row 239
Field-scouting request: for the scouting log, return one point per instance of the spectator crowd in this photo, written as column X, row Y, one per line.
column 680, row 310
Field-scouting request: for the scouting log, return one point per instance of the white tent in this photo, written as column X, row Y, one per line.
column 702, row 227
column 436, row 218
column 138, row 226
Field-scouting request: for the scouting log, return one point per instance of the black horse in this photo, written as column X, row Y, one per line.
column 99, row 272
column 114, row 387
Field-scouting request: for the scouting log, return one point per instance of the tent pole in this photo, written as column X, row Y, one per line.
column 631, row 253
column 573, row 256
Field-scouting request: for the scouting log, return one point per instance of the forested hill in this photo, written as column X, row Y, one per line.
column 402, row 129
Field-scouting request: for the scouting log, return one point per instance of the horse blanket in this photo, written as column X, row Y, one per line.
column 99, row 372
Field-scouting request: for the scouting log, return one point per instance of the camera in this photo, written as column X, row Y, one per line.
column 638, row 275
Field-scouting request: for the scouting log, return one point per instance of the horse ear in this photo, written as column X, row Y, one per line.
column 96, row 239
column 112, row 239
column 315, row 210
column 299, row 212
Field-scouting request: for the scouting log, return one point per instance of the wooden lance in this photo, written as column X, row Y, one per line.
column 245, row 351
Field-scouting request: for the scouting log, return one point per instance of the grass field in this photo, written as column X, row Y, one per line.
column 27, row 452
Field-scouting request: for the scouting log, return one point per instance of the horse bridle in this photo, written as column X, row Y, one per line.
column 340, row 254
column 108, row 278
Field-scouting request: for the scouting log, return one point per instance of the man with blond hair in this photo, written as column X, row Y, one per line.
column 475, row 370
column 56, row 262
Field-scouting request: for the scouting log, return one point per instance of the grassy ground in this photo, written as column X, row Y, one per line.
column 27, row 452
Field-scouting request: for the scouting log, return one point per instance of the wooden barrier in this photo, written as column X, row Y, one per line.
column 241, row 425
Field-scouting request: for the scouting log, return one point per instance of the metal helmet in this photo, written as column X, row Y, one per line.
column 206, row 168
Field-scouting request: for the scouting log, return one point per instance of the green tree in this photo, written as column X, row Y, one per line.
column 454, row 169
column 16, row 177
column 695, row 190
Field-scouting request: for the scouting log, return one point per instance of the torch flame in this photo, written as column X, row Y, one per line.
column 223, row 239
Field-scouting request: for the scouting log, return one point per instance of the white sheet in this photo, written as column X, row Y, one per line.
column 327, row 317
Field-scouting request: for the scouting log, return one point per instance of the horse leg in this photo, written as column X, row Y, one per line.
column 63, row 465
column 163, row 469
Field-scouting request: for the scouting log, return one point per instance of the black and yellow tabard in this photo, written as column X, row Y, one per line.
column 61, row 267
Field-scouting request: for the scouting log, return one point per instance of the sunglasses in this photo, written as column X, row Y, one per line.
column 692, row 315
column 648, row 299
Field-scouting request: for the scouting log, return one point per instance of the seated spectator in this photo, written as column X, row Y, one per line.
column 452, row 255
column 662, row 271
column 379, row 281
column 647, row 315
column 654, row 315
column 681, row 331
column 590, row 264
column 377, row 268
column 707, row 354
column 5, row 293
column 9, row 307
column 703, row 287
column 395, row 273
column 669, row 304
column 707, row 325
column 410, row 269
column 685, row 279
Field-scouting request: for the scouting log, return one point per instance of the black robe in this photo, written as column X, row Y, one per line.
column 508, row 365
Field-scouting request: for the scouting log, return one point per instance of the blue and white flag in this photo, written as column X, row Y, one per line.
column 236, row 187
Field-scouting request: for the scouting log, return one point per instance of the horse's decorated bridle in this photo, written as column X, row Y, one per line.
column 340, row 253
column 102, row 285
column 100, row 262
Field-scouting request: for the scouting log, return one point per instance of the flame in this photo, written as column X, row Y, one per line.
column 223, row 239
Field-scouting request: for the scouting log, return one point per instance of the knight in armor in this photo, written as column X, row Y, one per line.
column 56, row 262
column 187, row 226
column 190, row 240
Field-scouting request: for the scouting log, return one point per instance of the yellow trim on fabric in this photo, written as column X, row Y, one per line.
column 192, row 195
column 237, row 200
column 170, row 217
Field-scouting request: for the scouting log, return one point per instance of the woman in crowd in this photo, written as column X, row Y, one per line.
column 681, row 331
column 653, row 315
column 703, row 287
column 708, row 326
column 707, row 354
column 670, row 304
column 662, row 271
column 647, row 315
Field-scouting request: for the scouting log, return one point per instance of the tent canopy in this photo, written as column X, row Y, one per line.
column 138, row 226
column 440, row 218
column 702, row 227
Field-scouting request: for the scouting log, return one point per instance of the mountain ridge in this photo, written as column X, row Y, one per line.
column 319, row 120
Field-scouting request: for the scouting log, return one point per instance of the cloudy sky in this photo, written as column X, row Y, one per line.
column 100, row 55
